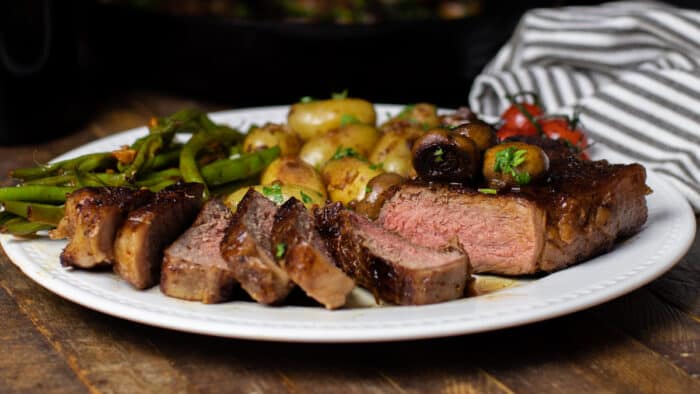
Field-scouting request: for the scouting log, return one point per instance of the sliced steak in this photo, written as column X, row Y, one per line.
column 148, row 230
column 579, row 212
column 247, row 247
column 193, row 268
column 307, row 259
column 92, row 218
column 394, row 269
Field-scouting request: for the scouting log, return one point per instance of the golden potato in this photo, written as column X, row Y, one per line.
column 278, row 194
column 393, row 152
column 270, row 135
column 360, row 137
column 291, row 170
column 311, row 119
column 346, row 179
column 421, row 116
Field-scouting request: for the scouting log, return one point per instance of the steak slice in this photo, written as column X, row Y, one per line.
column 578, row 213
column 307, row 259
column 193, row 268
column 91, row 220
column 139, row 245
column 247, row 247
column 394, row 269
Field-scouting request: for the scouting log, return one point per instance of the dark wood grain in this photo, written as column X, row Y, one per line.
column 645, row 342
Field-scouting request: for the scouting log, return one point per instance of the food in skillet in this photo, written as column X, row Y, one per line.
column 407, row 209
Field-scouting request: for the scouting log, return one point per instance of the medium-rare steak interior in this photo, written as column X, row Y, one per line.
column 193, row 268
column 394, row 269
column 306, row 258
column 92, row 218
column 247, row 247
column 148, row 230
column 581, row 209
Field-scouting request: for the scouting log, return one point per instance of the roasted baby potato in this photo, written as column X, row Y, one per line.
column 278, row 194
column 421, row 116
column 315, row 118
column 270, row 135
column 346, row 178
column 393, row 153
column 291, row 170
column 360, row 137
column 514, row 164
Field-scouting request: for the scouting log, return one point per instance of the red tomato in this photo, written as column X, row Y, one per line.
column 505, row 132
column 515, row 119
column 559, row 128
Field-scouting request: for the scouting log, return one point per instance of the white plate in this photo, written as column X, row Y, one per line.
column 664, row 239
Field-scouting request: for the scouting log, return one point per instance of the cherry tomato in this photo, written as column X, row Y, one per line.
column 559, row 128
column 515, row 119
column 505, row 132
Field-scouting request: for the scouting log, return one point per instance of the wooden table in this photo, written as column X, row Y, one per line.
column 647, row 341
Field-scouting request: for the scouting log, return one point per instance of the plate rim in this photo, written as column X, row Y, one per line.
column 683, row 225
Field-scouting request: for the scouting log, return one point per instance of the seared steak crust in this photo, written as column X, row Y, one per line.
column 148, row 230
column 387, row 264
column 581, row 209
column 247, row 248
column 92, row 217
column 307, row 259
column 193, row 268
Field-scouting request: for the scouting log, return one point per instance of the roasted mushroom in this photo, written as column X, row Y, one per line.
column 444, row 156
column 514, row 164
column 480, row 132
column 461, row 116
column 377, row 191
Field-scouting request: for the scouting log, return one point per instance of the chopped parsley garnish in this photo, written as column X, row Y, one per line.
column 274, row 193
column 280, row 250
column 340, row 96
column 305, row 198
column 508, row 160
column 342, row 152
column 406, row 112
column 438, row 155
column 306, row 99
column 487, row 191
column 375, row 167
column 368, row 189
column 347, row 119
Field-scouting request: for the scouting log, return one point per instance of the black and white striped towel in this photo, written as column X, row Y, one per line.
column 633, row 69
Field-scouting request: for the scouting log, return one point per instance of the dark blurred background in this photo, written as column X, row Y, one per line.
column 57, row 57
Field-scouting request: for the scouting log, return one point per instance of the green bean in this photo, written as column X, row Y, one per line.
column 18, row 208
column 42, row 213
column 54, row 168
column 188, row 156
column 164, row 159
column 35, row 193
column 145, row 152
column 22, row 227
column 162, row 185
column 5, row 216
column 98, row 161
column 154, row 178
column 57, row 180
column 228, row 170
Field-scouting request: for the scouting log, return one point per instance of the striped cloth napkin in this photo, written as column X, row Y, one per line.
column 633, row 70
